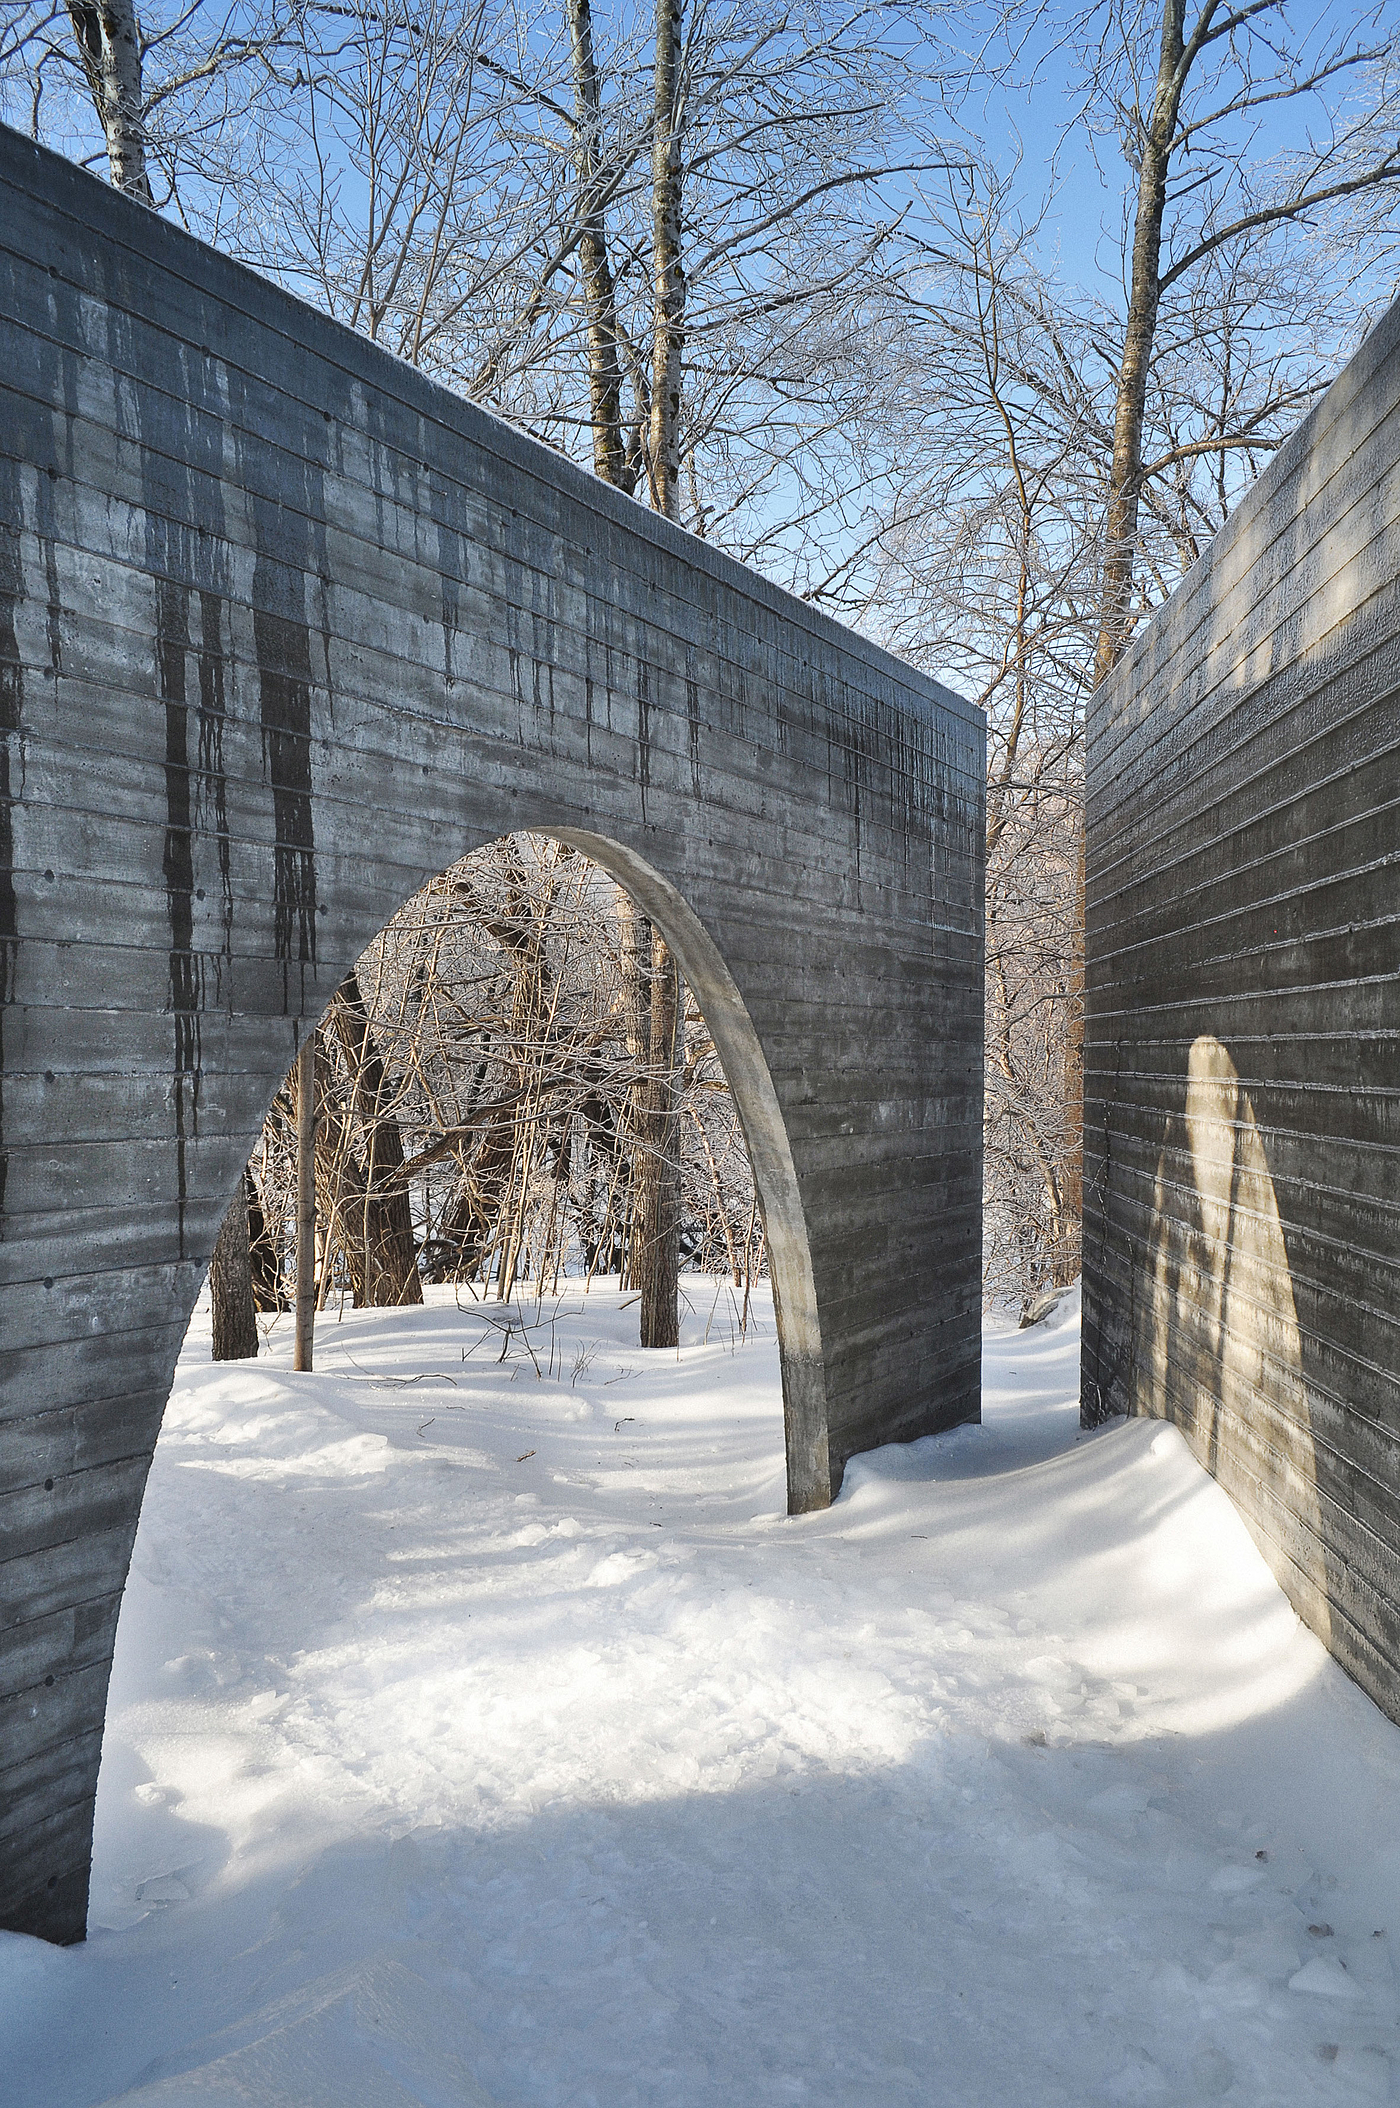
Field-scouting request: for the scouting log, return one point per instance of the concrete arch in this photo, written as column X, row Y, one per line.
column 770, row 1154
column 809, row 1476
column 284, row 630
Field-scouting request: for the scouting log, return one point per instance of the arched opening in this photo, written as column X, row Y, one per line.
column 488, row 1114
column 309, row 1469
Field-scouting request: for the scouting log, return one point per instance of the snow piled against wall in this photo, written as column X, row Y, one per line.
column 483, row 1732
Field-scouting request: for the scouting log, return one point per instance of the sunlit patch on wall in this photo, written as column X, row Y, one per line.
column 1217, row 1349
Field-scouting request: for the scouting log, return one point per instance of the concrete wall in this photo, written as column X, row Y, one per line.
column 1242, row 1118
column 284, row 630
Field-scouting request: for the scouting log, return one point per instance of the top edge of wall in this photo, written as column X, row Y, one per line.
column 104, row 214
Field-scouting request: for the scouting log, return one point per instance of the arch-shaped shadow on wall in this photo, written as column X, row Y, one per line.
column 1218, row 1348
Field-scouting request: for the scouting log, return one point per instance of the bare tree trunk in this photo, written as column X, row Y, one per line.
column 654, row 1252
column 391, row 1251
column 231, row 1285
column 668, row 274
column 657, row 1205
column 604, row 367
column 304, row 1071
column 341, row 1186
column 651, row 1011
column 634, row 945
column 1125, row 493
column 110, row 48
column 265, row 1259
column 1144, row 295
column 658, row 1181
column 634, row 938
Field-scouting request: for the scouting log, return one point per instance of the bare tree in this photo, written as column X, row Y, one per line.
column 304, row 1102
column 390, row 1263
column 110, row 51
column 235, row 1323
column 516, row 1020
column 613, row 460
column 167, row 89
column 264, row 1254
column 654, row 1259
column 1201, row 193
column 1186, row 125
column 1086, row 451
column 667, row 267
column 651, row 237
column 987, row 571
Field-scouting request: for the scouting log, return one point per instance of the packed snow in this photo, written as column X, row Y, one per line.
column 483, row 1732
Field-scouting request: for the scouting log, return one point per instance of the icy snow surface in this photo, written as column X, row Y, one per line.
column 486, row 1735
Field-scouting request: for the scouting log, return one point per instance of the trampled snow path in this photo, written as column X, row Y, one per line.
column 480, row 1736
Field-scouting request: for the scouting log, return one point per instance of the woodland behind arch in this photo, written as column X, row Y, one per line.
column 493, row 1103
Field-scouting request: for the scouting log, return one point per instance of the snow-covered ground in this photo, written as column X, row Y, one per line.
column 482, row 1732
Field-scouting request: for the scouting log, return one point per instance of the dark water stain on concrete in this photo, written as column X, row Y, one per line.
column 211, row 779
column 184, row 561
column 452, row 571
column 11, row 761
column 283, row 645
column 284, row 683
column 692, row 711
column 644, row 731
column 177, row 869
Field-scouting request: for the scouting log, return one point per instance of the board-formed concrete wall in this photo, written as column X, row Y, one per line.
column 284, row 630
column 1242, row 1114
